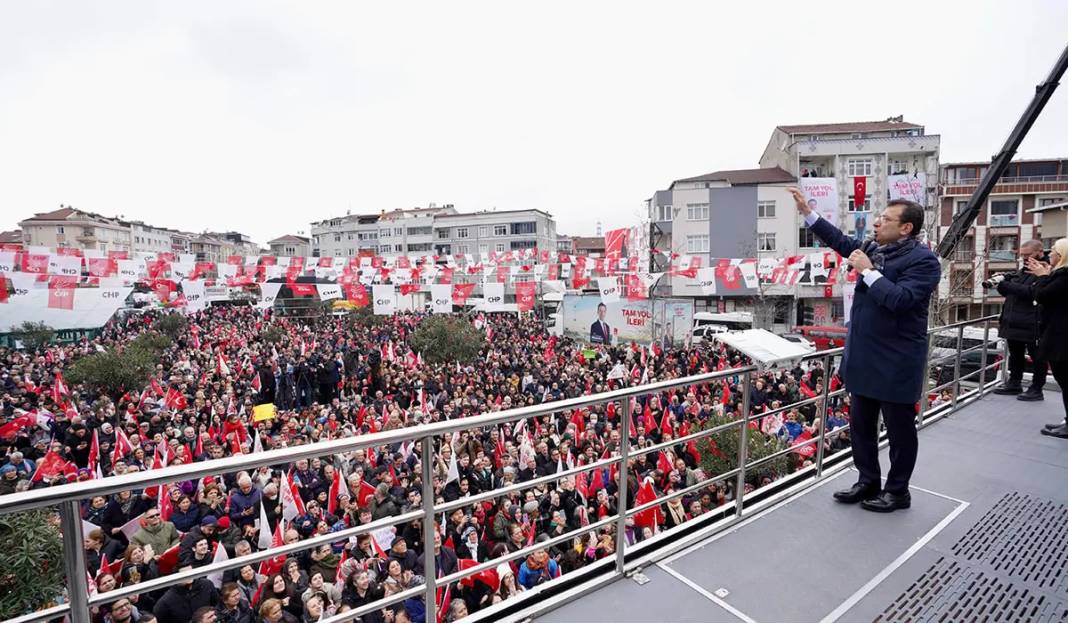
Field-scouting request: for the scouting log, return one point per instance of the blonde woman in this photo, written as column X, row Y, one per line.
column 1051, row 292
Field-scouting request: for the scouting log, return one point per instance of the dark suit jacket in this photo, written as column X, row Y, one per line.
column 887, row 341
column 597, row 336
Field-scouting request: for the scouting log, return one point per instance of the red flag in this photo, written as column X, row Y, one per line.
column 49, row 466
column 652, row 517
column 60, row 294
column 357, row 295
column 302, row 289
column 524, row 295
column 614, row 241
column 59, row 389
column 365, row 493
column 663, row 464
column 168, row 561
column 175, row 400
column 488, row 576
column 461, row 291
column 860, row 189
column 726, row 392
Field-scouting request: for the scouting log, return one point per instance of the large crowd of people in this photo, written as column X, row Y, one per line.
column 334, row 377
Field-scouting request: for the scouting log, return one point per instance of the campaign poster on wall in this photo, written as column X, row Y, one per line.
column 822, row 196
column 590, row 320
column 911, row 187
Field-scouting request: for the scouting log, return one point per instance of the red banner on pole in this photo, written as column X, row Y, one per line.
column 860, row 189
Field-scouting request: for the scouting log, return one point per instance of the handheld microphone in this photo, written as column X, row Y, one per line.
column 866, row 246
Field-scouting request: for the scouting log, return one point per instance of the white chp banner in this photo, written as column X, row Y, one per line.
column 194, row 295
column 385, row 299
column 911, row 187
column 822, row 196
column 66, row 265
column 226, row 271
column 494, row 296
column 328, row 291
column 706, row 280
column 268, row 293
column 7, row 261
column 441, row 298
column 127, row 270
column 609, row 287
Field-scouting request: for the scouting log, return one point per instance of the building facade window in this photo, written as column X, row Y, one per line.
column 461, row 232
column 960, row 207
column 766, row 242
column 463, row 249
column 500, row 247
column 697, row 243
column 398, row 231
column 420, row 231
column 865, row 207
column 500, row 230
column 337, row 237
column 443, row 234
column 483, row 231
column 523, row 244
column 422, row 246
column 806, row 239
column 765, row 209
column 1004, row 213
column 522, row 229
column 697, row 211
column 858, row 166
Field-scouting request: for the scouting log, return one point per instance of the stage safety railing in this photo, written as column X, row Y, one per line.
column 627, row 557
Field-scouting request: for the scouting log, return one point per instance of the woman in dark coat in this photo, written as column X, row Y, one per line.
column 1051, row 292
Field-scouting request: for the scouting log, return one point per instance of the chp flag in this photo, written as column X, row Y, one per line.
column 385, row 299
column 441, row 298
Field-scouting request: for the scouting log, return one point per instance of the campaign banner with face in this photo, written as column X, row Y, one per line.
column 588, row 319
column 822, row 196
column 441, row 298
column 911, row 187
column 385, row 299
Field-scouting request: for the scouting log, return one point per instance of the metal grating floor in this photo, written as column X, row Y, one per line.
column 1008, row 567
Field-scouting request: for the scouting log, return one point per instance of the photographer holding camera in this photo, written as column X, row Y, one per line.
column 1018, row 324
column 1051, row 292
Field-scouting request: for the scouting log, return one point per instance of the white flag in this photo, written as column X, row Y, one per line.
column 328, row 291
column 494, row 296
column 385, row 299
column 609, row 287
column 441, row 298
column 706, row 280
column 268, row 293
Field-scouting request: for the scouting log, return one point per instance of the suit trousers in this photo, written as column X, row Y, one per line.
column 900, row 421
column 1017, row 361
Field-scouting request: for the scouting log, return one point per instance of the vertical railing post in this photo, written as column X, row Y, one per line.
column 924, row 401
column 429, row 528
column 983, row 358
column 956, row 368
column 743, row 448
column 826, row 406
column 70, row 513
column 621, row 507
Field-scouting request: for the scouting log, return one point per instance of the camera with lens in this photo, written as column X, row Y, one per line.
column 994, row 280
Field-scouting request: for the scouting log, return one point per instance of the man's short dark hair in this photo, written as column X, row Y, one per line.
column 911, row 212
column 202, row 613
column 600, row 305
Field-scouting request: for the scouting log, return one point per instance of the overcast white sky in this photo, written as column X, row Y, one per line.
column 262, row 116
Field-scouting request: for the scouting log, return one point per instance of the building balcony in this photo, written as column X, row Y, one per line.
column 1006, row 185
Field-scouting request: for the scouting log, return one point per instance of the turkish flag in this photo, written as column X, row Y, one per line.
column 460, row 292
column 524, row 295
column 828, row 292
column 860, row 188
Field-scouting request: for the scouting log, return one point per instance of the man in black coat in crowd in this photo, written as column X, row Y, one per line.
column 1018, row 325
column 180, row 602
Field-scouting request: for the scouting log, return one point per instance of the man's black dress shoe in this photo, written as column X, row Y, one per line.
column 1060, row 431
column 1053, row 426
column 856, row 493
column 887, row 502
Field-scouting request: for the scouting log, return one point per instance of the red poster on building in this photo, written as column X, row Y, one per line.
column 460, row 292
column 614, row 241
column 357, row 295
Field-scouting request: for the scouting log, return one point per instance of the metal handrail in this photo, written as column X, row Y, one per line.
column 68, row 497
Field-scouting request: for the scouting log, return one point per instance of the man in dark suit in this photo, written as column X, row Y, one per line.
column 886, row 347
column 600, row 332
column 1018, row 324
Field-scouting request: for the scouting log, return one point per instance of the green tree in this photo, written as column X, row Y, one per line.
column 31, row 563
column 720, row 453
column 115, row 373
column 33, row 334
column 444, row 339
column 172, row 325
column 273, row 334
column 364, row 317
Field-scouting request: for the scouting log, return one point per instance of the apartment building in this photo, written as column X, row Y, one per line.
column 1028, row 192
column 493, row 230
column 290, row 245
column 745, row 213
column 437, row 230
column 77, row 229
column 149, row 239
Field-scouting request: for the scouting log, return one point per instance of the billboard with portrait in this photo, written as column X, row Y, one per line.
column 589, row 320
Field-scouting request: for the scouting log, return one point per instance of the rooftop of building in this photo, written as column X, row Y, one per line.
column 743, row 177
column 983, row 163
column 11, row 237
column 588, row 242
column 290, row 238
column 890, row 124
column 64, row 213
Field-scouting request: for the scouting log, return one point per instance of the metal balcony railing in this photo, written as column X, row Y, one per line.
column 627, row 557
